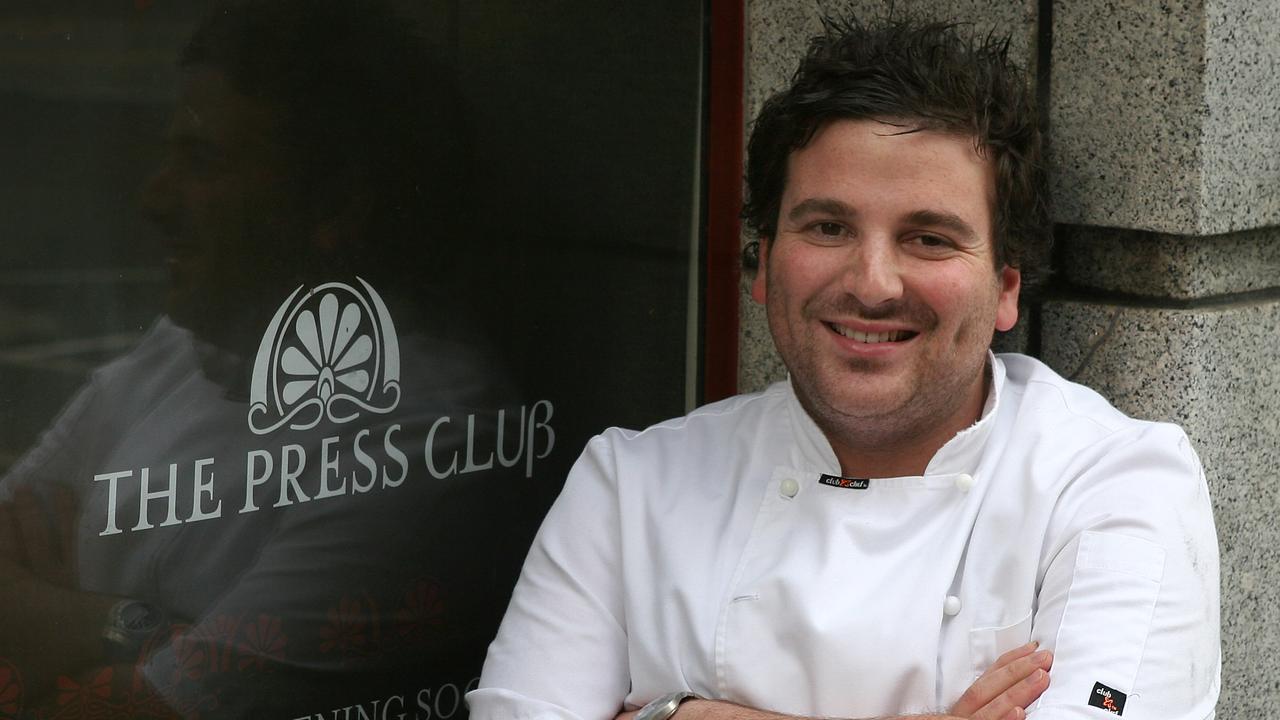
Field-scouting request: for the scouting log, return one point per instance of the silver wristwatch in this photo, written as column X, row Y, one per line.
column 665, row 706
column 130, row 623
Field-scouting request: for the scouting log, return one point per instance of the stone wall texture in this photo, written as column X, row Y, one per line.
column 1163, row 114
column 1175, row 267
column 1165, row 160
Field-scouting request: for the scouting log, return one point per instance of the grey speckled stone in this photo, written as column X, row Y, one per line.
column 1213, row 371
column 758, row 363
column 1240, row 145
column 777, row 34
column 1170, row 266
column 1163, row 115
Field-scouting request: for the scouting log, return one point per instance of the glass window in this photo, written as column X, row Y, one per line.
column 306, row 308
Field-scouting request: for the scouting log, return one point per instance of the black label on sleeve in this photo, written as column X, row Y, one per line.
column 1108, row 699
column 844, row 482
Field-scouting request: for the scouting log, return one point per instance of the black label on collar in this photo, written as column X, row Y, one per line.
column 844, row 482
column 1108, row 699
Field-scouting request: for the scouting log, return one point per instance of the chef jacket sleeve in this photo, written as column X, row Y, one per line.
column 1129, row 584
column 561, row 651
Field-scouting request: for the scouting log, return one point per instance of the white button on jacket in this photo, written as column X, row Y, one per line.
column 790, row 487
column 682, row 557
column 952, row 605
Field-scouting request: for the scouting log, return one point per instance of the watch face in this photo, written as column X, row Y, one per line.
column 139, row 616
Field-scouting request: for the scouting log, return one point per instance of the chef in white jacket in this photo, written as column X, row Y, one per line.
column 908, row 517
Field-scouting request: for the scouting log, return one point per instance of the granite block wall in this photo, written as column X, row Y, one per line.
column 1163, row 115
column 1172, row 267
column 1165, row 162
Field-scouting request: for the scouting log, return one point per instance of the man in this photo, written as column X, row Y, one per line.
column 171, row 545
column 908, row 511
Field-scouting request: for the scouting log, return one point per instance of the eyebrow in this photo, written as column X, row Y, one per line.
column 941, row 219
column 821, row 206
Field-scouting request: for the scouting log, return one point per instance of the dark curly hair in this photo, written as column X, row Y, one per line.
column 932, row 77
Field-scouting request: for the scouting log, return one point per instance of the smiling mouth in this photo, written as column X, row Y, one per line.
column 875, row 337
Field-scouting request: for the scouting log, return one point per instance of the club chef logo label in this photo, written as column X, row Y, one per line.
column 329, row 353
column 328, row 359
column 839, row 481
column 1108, row 698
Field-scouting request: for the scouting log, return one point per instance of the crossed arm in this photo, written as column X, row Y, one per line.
column 54, row 629
column 1139, row 574
column 563, row 652
column 1002, row 693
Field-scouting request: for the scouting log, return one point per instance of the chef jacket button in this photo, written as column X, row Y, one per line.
column 952, row 605
column 964, row 481
column 789, row 488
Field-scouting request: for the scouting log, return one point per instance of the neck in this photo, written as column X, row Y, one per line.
column 867, row 455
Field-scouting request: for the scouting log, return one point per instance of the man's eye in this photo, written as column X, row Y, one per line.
column 830, row 229
column 932, row 241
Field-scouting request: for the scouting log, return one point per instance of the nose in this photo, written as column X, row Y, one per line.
column 873, row 274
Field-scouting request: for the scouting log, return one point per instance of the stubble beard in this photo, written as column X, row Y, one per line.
column 930, row 394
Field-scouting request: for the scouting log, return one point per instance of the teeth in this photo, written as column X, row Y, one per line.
column 891, row 336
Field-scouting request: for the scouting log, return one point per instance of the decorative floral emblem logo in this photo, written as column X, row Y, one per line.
column 330, row 352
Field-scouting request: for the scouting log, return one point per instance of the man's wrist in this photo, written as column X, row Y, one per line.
column 129, row 627
column 696, row 708
column 703, row 709
column 688, row 709
column 665, row 706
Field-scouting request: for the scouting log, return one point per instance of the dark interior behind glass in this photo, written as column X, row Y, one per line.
column 297, row 349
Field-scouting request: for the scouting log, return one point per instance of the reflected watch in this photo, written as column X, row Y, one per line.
column 664, row 707
column 130, row 623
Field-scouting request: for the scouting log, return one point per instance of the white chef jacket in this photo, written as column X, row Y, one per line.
column 706, row 554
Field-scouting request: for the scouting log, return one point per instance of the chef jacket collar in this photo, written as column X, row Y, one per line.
column 960, row 454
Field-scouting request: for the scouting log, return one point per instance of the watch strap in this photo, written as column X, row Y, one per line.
column 664, row 707
column 130, row 623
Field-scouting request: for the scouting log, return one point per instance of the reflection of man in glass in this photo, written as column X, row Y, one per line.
column 156, row 553
column 294, row 151
column 227, row 201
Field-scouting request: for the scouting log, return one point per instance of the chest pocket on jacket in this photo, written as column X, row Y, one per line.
column 987, row 644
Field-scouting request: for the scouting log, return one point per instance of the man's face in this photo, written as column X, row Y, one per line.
column 227, row 206
column 880, row 285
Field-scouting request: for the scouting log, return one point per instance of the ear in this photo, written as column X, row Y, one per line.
column 758, row 289
column 1007, row 304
